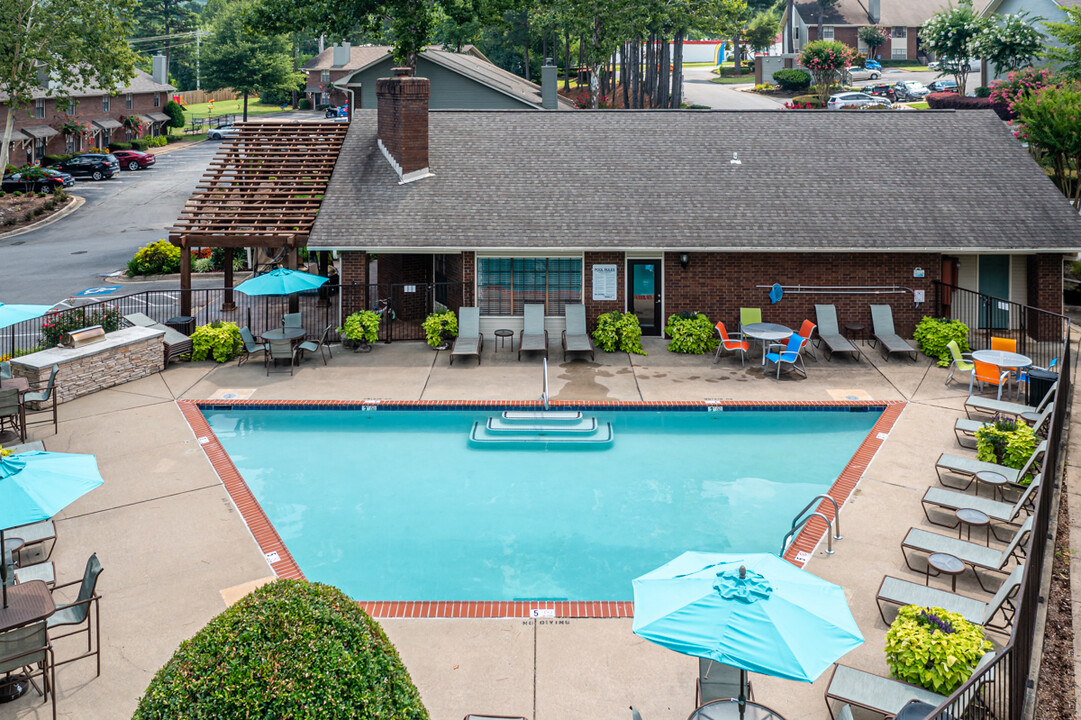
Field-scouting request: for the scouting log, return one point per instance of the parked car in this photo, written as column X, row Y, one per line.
column 50, row 180
column 862, row 73
column 133, row 159
column 880, row 89
column 222, row 133
column 943, row 85
column 340, row 111
column 856, row 100
column 872, row 64
column 97, row 166
column 909, row 90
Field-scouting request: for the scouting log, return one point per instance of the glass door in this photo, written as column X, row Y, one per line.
column 644, row 293
column 995, row 281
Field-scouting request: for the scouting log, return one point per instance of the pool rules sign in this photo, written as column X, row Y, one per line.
column 604, row 282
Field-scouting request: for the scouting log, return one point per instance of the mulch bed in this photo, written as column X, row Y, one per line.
column 18, row 211
column 1055, row 691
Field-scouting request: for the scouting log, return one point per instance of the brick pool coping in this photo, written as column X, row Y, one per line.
column 284, row 566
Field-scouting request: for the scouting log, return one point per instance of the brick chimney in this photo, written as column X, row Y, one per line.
column 402, row 108
column 874, row 11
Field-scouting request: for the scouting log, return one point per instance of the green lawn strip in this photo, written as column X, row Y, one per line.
column 229, row 107
column 919, row 106
column 735, row 80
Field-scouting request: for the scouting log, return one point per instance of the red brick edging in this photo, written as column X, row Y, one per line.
column 267, row 537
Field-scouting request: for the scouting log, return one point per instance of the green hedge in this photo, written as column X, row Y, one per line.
column 291, row 649
column 793, row 79
column 119, row 146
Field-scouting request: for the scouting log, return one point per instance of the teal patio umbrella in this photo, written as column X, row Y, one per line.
column 280, row 282
column 13, row 314
column 752, row 611
column 35, row 486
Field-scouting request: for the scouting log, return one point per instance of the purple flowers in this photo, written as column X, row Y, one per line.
column 926, row 617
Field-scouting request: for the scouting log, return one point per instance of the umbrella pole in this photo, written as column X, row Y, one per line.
column 742, row 692
column 3, row 569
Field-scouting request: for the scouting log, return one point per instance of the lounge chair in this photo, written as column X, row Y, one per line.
column 470, row 341
column 806, row 330
column 892, row 343
column 731, row 343
column 38, row 538
column 717, row 681
column 790, row 355
column 322, row 346
column 966, row 429
column 972, row 554
column 175, row 342
column 533, row 338
column 966, row 466
column 987, row 406
column 886, row 696
column 983, row 372
column 951, row 501
column 829, row 334
column 894, row 591
column 960, row 361
column 44, row 572
column 78, row 612
column 46, row 398
column 250, row 346
column 280, row 350
column 575, row 337
column 27, row 650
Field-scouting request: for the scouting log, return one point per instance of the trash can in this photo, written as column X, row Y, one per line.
column 1039, row 384
column 182, row 323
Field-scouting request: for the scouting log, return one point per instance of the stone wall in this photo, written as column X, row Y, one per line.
column 124, row 356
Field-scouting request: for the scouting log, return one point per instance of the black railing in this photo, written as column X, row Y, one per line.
column 1001, row 689
column 408, row 304
column 1039, row 333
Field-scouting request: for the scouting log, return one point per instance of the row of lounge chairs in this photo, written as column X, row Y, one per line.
column 533, row 336
column 888, row 697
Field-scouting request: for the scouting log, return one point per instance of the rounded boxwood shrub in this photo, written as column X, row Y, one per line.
column 793, row 79
column 619, row 331
column 291, row 649
column 934, row 648
column 691, row 333
column 933, row 335
column 218, row 340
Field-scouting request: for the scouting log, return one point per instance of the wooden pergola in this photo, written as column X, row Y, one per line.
column 262, row 190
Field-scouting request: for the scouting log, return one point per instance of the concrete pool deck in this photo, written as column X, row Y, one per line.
column 175, row 551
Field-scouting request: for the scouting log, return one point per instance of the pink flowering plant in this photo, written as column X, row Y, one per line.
column 1049, row 120
column 827, row 61
column 1019, row 84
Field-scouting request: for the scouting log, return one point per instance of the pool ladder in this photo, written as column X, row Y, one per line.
column 833, row 528
column 544, row 391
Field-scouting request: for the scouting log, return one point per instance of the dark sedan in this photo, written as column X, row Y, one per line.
column 96, row 166
column 880, row 89
column 36, row 180
column 943, row 85
column 133, row 159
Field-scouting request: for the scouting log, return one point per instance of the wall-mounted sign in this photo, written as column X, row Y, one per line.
column 919, row 272
column 604, row 282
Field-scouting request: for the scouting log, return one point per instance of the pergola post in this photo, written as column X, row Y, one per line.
column 185, row 277
column 227, row 302
column 292, row 262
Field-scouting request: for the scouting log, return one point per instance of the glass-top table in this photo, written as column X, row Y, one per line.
column 730, row 710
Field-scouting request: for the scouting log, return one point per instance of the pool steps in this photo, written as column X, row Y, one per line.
column 544, row 427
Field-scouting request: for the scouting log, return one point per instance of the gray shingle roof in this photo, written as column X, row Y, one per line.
column 907, row 13
column 141, row 83
column 904, row 180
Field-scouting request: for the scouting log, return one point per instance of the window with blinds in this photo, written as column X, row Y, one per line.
column 505, row 285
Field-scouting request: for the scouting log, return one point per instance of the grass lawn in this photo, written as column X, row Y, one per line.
column 230, row 107
column 919, row 106
column 734, row 80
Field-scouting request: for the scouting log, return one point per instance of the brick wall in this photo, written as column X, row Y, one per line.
column 598, row 307
column 403, row 120
column 1045, row 292
column 850, row 36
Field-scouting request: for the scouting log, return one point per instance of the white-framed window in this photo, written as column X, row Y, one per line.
column 129, row 101
column 39, row 108
column 827, row 32
column 505, row 285
column 105, row 103
column 157, row 99
column 899, row 53
column 106, row 138
column 324, row 77
column 899, row 32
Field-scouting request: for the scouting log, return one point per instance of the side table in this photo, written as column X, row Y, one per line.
column 944, row 564
column 503, row 334
column 997, row 481
column 970, row 518
column 856, row 331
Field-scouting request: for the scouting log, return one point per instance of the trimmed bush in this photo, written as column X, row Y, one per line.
column 119, row 146
column 933, row 335
column 174, row 138
column 157, row 258
column 619, row 331
column 792, row 79
column 174, row 111
column 291, row 649
column 691, row 333
column 218, row 340
column 439, row 326
column 48, row 160
column 811, row 100
column 954, row 101
column 933, row 648
column 305, row 104
column 1006, row 442
column 140, row 145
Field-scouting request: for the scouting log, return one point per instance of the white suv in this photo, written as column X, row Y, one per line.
column 841, row 101
column 221, row 133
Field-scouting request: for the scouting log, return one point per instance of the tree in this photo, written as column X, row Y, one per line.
column 761, row 31
column 1068, row 34
column 77, row 43
column 237, row 58
column 823, row 6
column 173, row 110
column 873, row 37
column 951, row 34
column 1050, row 121
column 1010, row 44
column 161, row 19
column 826, row 60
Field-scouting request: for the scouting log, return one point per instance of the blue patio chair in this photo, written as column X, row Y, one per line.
column 790, row 355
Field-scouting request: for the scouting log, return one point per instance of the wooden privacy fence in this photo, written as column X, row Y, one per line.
column 195, row 97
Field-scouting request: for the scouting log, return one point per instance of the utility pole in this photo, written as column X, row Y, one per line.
column 198, row 34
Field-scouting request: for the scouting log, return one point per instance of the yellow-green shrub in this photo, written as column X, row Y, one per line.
column 157, row 258
column 219, row 340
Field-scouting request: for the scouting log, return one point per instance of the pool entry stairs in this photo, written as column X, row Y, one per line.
column 546, row 427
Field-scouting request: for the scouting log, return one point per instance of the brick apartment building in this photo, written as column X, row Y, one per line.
column 40, row 127
column 663, row 212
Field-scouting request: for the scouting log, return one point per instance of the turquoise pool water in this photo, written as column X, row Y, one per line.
column 401, row 505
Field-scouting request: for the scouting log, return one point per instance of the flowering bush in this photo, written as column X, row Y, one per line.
column 218, row 340
column 826, row 60
column 156, row 258
column 74, row 126
column 1018, row 84
column 933, row 648
column 1050, row 122
column 56, row 324
column 133, row 123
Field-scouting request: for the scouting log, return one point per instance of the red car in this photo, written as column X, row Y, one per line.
column 133, row 159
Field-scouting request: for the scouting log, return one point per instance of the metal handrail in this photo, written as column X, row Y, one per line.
column 799, row 525
column 544, row 393
column 836, row 514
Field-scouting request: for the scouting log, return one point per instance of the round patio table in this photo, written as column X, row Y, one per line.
column 945, row 564
column 284, row 334
column 970, row 518
column 766, row 333
column 1003, row 359
column 729, row 710
column 996, row 480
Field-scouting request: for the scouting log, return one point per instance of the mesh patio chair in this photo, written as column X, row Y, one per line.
column 470, row 340
column 884, row 334
column 575, row 337
column 5, row 370
column 790, row 355
column 830, row 335
column 960, row 361
column 533, row 337
column 292, row 321
column 806, row 330
column 277, row 350
column 11, row 413
column 975, row 555
column 25, row 648
column 46, row 396
column 987, row 373
column 731, row 343
column 749, row 316
column 322, row 345
column 987, row 406
column 894, row 591
column 717, row 681
column 250, row 346
column 75, row 614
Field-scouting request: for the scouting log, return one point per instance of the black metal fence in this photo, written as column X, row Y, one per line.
column 1001, row 689
column 1039, row 333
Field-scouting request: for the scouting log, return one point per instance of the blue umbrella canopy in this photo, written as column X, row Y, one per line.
column 772, row 618
column 12, row 314
column 37, row 485
column 280, row 282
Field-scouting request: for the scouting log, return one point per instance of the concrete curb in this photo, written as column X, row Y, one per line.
column 125, row 280
column 76, row 203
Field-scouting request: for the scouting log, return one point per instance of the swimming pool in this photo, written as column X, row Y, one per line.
column 392, row 504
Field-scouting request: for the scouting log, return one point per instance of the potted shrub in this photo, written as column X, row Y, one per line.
column 361, row 330
column 440, row 328
column 218, row 340
column 691, row 333
column 619, row 331
column 1006, row 441
column 932, row 335
column 933, row 648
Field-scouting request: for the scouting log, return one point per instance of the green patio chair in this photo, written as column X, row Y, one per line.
column 749, row 316
column 5, row 370
column 894, row 591
column 292, row 321
column 959, row 360
column 27, row 649
column 250, row 346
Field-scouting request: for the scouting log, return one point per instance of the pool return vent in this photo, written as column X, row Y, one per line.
column 542, row 426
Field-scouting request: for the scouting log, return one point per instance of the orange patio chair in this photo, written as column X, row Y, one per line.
column 731, row 343
column 1007, row 345
column 987, row 373
column 805, row 332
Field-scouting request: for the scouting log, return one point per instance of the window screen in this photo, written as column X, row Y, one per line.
column 505, row 285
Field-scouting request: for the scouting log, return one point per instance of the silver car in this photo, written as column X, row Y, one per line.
column 861, row 73
column 908, row 90
column 222, row 133
column 844, row 100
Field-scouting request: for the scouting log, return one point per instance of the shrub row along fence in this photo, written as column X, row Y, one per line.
column 1002, row 689
column 1039, row 333
column 406, row 307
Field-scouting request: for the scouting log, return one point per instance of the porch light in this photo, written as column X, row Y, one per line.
column 684, row 260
